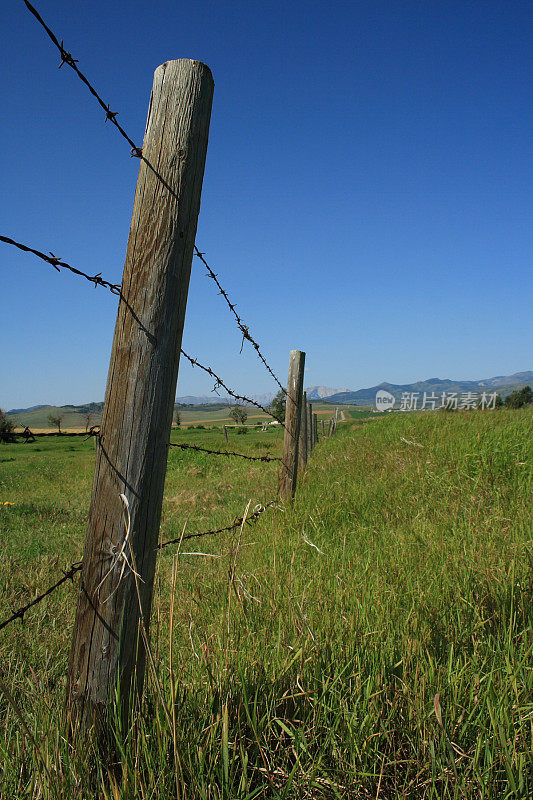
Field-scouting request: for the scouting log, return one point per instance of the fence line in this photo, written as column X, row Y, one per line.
column 66, row 58
column 83, row 655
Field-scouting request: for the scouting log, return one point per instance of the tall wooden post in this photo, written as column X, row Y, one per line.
column 225, row 432
column 315, row 428
column 302, row 441
column 107, row 647
column 293, row 415
column 323, row 429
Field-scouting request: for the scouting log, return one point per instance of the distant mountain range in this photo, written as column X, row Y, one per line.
column 323, row 392
column 503, row 384
column 313, row 393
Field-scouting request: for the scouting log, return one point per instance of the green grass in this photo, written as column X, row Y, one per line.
column 372, row 641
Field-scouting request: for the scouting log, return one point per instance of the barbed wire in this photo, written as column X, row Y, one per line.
column 220, row 383
column 223, row 452
column 67, row 576
column 56, row 262
column 238, row 522
column 67, row 58
column 78, row 565
column 117, row 290
column 244, row 329
column 27, row 433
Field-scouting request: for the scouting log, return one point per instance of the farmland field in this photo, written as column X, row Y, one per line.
column 373, row 640
column 208, row 415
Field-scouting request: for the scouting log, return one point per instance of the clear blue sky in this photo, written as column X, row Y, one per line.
column 367, row 195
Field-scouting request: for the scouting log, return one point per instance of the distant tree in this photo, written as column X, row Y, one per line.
column 239, row 414
column 56, row 420
column 277, row 407
column 519, row 398
column 176, row 418
column 6, row 427
column 498, row 402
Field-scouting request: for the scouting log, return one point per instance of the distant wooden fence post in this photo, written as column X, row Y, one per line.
column 323, row 429
column 113, row 613
column 293, row 415
column 302, row 441
column 310, row 440
column 225, row 432
column 315, row 428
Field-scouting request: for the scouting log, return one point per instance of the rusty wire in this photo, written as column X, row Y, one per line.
column 66, row 58
column 222, row 452
column 78, row 565
column 220, row 383
column 56, row 262
column 117, row 290
column 244, row 329
column 238, row 522
column 67, row 576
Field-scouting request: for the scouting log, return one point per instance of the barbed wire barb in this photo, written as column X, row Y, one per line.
column 222, row 452
column 57, row 264
column 244, row 329
column 249, row 520
column 220, row 383
column 66, row 58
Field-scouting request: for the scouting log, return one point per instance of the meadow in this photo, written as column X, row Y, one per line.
column 215, row 415
column 371, row 640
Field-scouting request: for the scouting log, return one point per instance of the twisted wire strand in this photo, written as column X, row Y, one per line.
column 67, row 58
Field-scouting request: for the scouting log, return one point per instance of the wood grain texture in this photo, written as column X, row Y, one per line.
column 293, row 414
column 136, row 421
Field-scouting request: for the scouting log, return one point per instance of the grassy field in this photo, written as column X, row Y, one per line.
column 205, row 415
column 373, row 640
column 37, row 419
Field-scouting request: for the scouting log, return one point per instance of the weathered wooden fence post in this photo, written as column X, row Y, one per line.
column 302, row 441
column 293, row 415
column 323, row 429
column 225, row 432
column 315, row 428
column 108, row 647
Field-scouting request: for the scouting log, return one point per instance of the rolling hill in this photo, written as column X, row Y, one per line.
column 503, row 384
